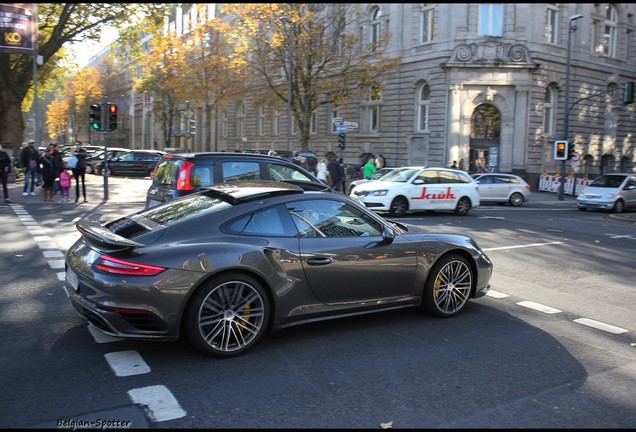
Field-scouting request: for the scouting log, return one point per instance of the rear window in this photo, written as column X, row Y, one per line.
column 167, row 172
column 179, row 210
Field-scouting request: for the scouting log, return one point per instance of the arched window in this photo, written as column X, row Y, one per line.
column 609, row 31
column 485, row 123
column 427, row 25
column 423, row 107
column 549, row 110
column 626, row 164
column 588, row 162
column 607, row 164
column 376, row 27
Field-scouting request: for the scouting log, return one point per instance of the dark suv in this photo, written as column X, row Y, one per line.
column 179, row 174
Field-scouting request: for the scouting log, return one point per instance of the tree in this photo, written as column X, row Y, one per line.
column 59, row 24
column 315, row 47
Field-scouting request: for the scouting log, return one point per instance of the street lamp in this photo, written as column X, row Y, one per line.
column 566, row 122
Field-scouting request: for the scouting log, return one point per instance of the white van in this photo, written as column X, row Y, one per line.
column 615, row 192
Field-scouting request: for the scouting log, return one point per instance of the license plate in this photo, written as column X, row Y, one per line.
column 71, row 277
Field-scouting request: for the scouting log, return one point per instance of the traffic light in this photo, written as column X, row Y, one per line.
column 112, row 117
column 628, row 93
column 95, row 117
column 560, row 150
column 193, row 127
column 341, row 140
column 571, row 151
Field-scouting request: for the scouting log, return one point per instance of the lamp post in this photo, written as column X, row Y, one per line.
column 566, row 121
column 289, row 39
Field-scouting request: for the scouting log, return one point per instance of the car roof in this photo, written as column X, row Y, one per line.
column 243, row 191
column 219, row 155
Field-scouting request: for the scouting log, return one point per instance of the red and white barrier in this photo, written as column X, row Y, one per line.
column 552, row 182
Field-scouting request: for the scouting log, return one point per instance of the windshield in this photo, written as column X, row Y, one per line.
column 400, row 175
column 608, row 181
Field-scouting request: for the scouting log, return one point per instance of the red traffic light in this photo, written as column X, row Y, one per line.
column 112, row 108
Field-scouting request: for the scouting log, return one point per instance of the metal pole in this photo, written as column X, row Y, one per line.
column 289, row 86
column 36, row 131
column 105, row 124
column 566, row 121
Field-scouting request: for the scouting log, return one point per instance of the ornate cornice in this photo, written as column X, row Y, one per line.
column 489, row 54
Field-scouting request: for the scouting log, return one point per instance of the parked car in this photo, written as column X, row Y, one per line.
column 615, row 192
column 223, row 266
column 135, row 162
column 179, row 174
column 95, row 161
column 502, row 188
column 418, row 188
column 376, row 176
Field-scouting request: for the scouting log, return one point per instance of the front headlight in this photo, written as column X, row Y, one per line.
column 608, row 197
column 379, row 192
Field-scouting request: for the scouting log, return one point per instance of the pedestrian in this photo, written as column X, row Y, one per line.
column 380, row 162
column 461, row 165
column 49, row 171
column 323, row 172
column 5, row 169
column 29, row 159
column 65, row 185
column 79, row 172
column 344, row 176
column 454, row 165
column 57, row 155
column 369, row 168
column 336, row 173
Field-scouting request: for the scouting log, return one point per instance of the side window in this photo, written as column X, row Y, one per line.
column 128, row 157
column 485, row 180
column 266, row 222
column 429, row 177
column 202, row 176
column 329, row 218
column 283, row 172
column 235, row 171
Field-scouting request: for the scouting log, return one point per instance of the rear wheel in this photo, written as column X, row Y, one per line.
column 448, row 286
column 399, row 206
column 89, row 169
column 463, row 206
column 516, row 199
column 228, row 315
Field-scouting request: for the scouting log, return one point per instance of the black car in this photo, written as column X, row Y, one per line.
column 179, row 174
column 223, row 266
column 95, row 161
column 135, row 162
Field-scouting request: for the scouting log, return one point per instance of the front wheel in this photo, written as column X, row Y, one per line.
column 89, row 169
column 448, row 286
column 228, row 315
column 619, row 206
column 463, row 206
column 399, row 206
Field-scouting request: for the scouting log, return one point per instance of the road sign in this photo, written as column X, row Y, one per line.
column 337, row 121
column 341, row 128
column 576, row 157
column 351, row 125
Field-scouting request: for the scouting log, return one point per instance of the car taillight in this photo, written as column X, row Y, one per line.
column 527, row 186
column 183, row 181
column 108, row 264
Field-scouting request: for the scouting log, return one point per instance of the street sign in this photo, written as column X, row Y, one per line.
column 351, row 125
column 576, row 157
column 337, row 121
column 341, row 128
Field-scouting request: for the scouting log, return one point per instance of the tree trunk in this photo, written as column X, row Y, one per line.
column 11, row 116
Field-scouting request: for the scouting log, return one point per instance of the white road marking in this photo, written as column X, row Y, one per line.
column 61, row 276
column 53, row 254
column 496, row 294
column 539, row 307
column 522, row 246
column 158, row 401
column 127, row 363
column 601, row 326
column 47, row 245
column 56, row 264
column 615, row 236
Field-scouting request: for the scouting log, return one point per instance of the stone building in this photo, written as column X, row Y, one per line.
column 485, row 83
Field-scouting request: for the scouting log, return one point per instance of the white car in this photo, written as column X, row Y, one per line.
column 502, row 188
column 419, row 188
column 376, row 176
column 614, row 192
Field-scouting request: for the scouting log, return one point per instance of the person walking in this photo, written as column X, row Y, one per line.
column 49, row 172
column 79, row 172
column 454, row 165
column 369, row 168
column 65, row 185
column 335, row 173
column 323, row 172
column 5, row 169
column 29, row 158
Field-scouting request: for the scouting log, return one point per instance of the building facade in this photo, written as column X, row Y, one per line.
column 485, row 83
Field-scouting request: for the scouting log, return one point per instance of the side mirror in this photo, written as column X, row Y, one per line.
column 388, row 234
column 418, row 181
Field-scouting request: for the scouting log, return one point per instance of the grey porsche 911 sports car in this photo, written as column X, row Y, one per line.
column 223, row 266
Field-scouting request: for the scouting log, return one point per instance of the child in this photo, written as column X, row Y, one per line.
column 65, row 185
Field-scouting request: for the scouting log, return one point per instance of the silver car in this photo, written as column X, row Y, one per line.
column 615, row 192
column 502, row 188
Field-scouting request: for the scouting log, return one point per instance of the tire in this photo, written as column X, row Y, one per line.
column 516, row 199
column 89, row 169
column 399, row 206
column 228, row 315
column 619, row 206
column 463, row 206
column 448, row 286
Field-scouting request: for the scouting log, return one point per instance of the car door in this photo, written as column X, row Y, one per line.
column 629, row 192
column 438, row 190
column 486, row 187
column 344, row 256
